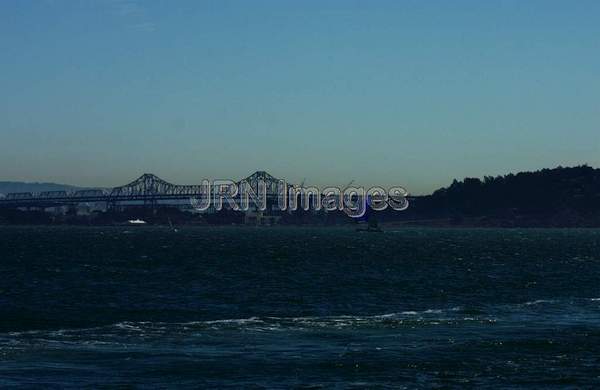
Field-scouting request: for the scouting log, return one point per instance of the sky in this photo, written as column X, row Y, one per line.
column 410, row 93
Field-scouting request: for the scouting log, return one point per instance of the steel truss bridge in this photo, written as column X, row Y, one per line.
column 148, row 190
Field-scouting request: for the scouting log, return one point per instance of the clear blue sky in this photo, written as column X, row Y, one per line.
column 412, row 93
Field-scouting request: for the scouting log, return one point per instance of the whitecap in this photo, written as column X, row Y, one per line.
column 538, row 301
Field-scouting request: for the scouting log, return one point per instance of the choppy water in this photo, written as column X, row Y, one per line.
column 279, row 308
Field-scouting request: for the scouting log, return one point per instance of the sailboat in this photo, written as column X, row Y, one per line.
column 369, row 219
column 172, row 227
column 372, row 227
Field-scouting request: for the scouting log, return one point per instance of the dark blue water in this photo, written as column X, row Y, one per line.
column 280, row 308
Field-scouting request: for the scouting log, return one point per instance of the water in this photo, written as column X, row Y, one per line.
column 305, row 308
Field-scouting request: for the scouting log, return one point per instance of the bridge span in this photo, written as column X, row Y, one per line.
column 148, row 189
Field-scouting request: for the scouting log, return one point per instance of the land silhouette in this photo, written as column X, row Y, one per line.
column 558, row 197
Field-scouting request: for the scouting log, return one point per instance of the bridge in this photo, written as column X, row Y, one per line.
column 148, row 189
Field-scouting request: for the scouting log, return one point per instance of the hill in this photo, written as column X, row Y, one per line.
column 16, row 186
column 561, row 197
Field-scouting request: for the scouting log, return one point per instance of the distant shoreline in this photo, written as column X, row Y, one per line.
column 548, row 198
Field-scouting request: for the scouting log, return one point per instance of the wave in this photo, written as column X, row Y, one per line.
column 539, row 301
column 571, row 301
column 454, row 316
column 303, row 323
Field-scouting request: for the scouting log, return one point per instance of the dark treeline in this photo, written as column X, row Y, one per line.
column 549, row 197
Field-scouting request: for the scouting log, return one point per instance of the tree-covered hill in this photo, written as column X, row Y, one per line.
column 549, row 197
